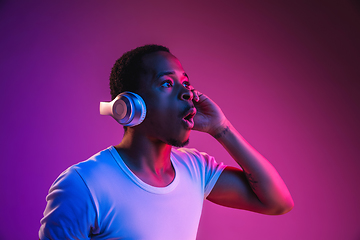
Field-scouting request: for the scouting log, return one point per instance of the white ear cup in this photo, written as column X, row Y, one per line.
column 127, row 108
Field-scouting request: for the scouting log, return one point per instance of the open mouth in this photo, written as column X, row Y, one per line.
column 189, row 118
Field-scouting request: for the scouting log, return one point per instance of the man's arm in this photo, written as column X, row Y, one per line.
column 257, row 186
column 70, row 212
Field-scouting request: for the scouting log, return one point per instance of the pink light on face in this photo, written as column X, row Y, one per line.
column 285, row 74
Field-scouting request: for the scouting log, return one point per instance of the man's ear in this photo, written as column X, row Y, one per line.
column 127, row 108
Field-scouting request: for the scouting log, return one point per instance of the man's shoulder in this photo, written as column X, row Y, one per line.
column 184, row 150
column 103, row 157
column 190, row 156
column 98, row 165
column 188, row 152
column 99, row 162
column 193, row 156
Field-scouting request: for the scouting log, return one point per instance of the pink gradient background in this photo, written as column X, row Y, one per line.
column 287, row 75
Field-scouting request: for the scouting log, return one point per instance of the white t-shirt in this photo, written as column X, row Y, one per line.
column 102, row 199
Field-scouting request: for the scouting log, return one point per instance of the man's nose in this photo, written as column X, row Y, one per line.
column 187, row 95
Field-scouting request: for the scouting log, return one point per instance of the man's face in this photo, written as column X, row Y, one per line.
column 167, row 93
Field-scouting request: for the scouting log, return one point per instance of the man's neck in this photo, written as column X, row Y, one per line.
column 147, row 159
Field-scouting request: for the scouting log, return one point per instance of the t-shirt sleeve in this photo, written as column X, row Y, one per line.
column 70, row 212
column 212, row 172
column 205, row 168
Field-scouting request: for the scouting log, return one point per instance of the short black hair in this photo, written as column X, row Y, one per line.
column 125, row 72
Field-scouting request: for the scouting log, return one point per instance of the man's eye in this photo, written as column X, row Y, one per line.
column 187, row 85
column 167, row 84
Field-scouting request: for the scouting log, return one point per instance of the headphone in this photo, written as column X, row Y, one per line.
column 127, row 108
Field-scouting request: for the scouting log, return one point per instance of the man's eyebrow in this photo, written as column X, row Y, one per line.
column 161, row 74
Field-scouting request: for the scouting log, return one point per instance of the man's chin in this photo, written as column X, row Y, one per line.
column 177, row 143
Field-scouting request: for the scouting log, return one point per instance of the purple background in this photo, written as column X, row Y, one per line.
column 285, row 73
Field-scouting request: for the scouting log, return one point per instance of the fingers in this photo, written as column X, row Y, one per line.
column 196, row 96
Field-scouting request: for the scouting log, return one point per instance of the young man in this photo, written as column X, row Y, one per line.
column 144, row 188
